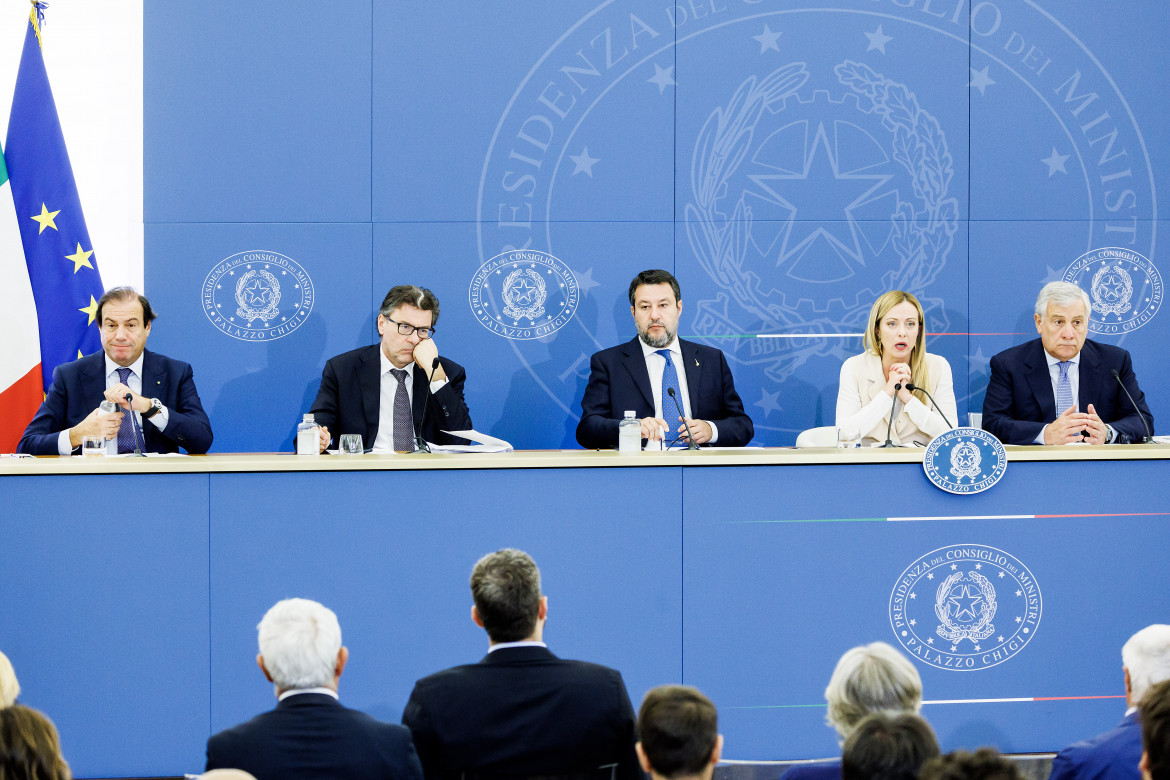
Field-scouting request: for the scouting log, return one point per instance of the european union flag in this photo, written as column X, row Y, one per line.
column 61, row 264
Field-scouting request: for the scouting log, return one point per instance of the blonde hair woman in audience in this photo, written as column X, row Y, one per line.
column 895, row 353
column 29, row 747
column 9, row 687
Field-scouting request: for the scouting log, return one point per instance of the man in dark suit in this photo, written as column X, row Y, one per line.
column 678, row 734
column 1062, row 388
column 380, row 391
column 310, row 734
column 1114, row 755
column 521, row 711
column 635, row 376
column 162, row 391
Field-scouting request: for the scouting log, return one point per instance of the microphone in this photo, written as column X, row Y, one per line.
column 912, row 387
column 138, row 435
column 1149, row 437
column 691, row 436
column 419, row 442
column 890, row 425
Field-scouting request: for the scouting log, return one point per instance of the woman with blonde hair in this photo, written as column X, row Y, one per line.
column 29, row 746
column 874, row 382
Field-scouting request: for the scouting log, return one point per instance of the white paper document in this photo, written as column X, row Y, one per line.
column 482, row 443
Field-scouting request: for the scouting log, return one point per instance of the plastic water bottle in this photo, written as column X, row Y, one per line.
column 308, row 440
column 629, row 435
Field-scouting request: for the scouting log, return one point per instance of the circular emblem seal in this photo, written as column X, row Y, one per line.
column 257, row 295
column 524, row 294
column 965, row 607
column 965, row 460
column 1125, row 287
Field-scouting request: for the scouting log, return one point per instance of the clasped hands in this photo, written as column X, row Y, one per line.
column 653, row 428
column 1073, row 426
column 106, row 424
column 899, row 373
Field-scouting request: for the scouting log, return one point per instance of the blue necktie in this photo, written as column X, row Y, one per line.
column 126, row 437
column 1064, row 398
column 669, row 380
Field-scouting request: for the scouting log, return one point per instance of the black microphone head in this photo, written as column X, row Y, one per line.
column 911, row 386
column 897, row 386
column 670, row 391
column 435, row 363
column 129, row 397
column 1116, row 375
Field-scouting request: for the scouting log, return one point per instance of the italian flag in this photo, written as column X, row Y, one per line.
column 20, row 359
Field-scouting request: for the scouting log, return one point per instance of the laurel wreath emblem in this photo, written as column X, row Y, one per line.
column 250, row 313
column 966, row 460
column 983, row 627
column 1124, row 295
column 512, row 308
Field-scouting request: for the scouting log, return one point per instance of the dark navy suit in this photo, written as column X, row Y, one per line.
column 79, row 387
column 311, row 736
column 1020, row 400
column 619, row 381
column 1113, row 755
column 350, row 396
column 523, row 712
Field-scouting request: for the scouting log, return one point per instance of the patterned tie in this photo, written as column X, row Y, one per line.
column 669, row 380
column 126, row 438
column 1064, row 397
column 403, row 424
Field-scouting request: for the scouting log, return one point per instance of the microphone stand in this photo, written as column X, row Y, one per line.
column 691, row 436
column 419, row 442
column 912, row 387
column 890, row 425
column 1149, row 437
column 139, row 436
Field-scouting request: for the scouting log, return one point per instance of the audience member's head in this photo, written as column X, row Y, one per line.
column 886, row 746
column 871, row 678
column 1155, row 718
column 300, row 646
column 505, row 586
column 1146, row 657
column 678, row 733
column 984, row 764
column 29, row 747
column 9, row 687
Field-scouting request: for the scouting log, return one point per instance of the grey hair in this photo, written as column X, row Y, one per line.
column 413, row 295
column 1062, row 294
column 1147, row 657
column 9, row 687
column 299, row 640
column 871, row 678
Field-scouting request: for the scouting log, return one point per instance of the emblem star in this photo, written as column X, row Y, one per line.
column 980, row 80
column 257, row 293
column 930, row 575
column 585, row 282
column 1055, row 163
column 91, row 310
column 1054, row 275
column 954, row 648
column 980, row 364
column 913, row 622
column 45, row 218
column 767, row 39
column 768, row 402
column 979, row 566
column 999, row 639
column 913, row 595
column 1001, row 575
column 954, row 566
column 1017, row 620
column 79, row 259
column 877, row 40
column 965, row 604
column 930, row 641
column 978, row 648
column 583, row 163
column 1019, row 593
column 524, row 291
column 663, row 78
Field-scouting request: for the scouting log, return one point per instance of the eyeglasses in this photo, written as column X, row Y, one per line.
column 405, row 329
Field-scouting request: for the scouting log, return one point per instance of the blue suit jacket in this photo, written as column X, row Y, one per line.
column 1113, row 755
column 310, row 736
column 619, row 381
column 349, row 398
column 79, row 387
column 1020, row 401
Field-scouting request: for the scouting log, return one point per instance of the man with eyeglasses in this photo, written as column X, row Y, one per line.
column 379, row 391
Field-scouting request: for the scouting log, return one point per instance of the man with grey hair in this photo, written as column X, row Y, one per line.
column 521, row 711
column 1114, row 755
column 1062, row 387
column 310, row 734
column 381, row 391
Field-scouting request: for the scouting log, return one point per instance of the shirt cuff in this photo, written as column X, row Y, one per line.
column 438, row 385
column 63, row 446
column 714, row 432
column 161, row 418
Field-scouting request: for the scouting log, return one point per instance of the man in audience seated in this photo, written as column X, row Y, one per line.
column 309, row 734
column 984, row 764
column 521, row 710
column 1155, row 717
column 1114, row 754
column 9, row 687
column 884, row 746
column 678, row 734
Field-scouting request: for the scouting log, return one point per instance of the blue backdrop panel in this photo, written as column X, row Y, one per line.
column 256, row 112
column 399, row 582
column 255, row 389
column 107, row 625
column 788, row 586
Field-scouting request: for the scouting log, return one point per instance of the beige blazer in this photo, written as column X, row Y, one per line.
column 864, row 408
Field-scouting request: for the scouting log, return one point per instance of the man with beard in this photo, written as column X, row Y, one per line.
column 640, row 374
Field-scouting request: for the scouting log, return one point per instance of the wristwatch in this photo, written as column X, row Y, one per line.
column 1109, row 434
column 155, row 407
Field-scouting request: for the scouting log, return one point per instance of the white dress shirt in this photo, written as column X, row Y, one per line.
column 388, row 386
column 657, row 367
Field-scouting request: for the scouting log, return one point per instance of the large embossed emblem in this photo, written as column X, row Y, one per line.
column 524, row 294
column 1124, row 287
column 257, row 295
column 964, row 461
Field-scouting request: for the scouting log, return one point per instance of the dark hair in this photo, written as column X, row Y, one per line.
column 656, row 276
column 125, row 294
column 1155, row 718
column 419, row 297
column 505, row 586
column 29, row 746
column 678, row 727
column 984, row 764
column 887, row 746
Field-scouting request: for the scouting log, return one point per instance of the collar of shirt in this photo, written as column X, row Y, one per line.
column 506, row 645
column 673, row 346
column 387, row 365
column 1052, row 361
column 295, row 691
column 135, row 371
